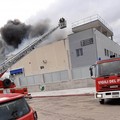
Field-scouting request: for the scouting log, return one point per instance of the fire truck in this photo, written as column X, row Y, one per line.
column 107, row 78
column 12, row 104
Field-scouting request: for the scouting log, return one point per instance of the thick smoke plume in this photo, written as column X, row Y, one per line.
column 39, row 28
column 14, row 32
column 2, row 48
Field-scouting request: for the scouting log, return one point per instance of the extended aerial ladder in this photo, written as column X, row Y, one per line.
column 6, row 83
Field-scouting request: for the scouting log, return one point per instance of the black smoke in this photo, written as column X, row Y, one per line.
column 14, row 32
column 39, row 28
column 2, row 47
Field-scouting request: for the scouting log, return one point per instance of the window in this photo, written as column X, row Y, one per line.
column 105, row 52
column 111, row 53
column 109, row 68
column 14, row 109
column 79, row 52
column 86, row 42
column 115, row 54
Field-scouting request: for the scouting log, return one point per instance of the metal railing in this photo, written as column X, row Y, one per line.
column 90, row 19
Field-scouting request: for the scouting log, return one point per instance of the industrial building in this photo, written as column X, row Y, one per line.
column 64, row 64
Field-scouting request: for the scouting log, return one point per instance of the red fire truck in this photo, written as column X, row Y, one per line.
column 14, row 107
column 107, row 78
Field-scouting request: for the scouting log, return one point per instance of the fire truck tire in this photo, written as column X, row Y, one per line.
column 101, row 101
column 6, row 83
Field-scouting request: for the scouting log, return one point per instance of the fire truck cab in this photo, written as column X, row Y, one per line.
column 14, row 107
column 107, row 79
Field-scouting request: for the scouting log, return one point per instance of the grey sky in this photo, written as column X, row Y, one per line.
column 74, row 10
column 30, row 11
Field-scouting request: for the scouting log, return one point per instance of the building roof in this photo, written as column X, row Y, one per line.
column 92, row 22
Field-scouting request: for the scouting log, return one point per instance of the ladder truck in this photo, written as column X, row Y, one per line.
column 106, row 74
column 7, row 83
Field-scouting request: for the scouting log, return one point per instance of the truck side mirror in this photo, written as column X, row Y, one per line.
column 91, row 71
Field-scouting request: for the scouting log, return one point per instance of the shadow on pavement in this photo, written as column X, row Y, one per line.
column 113, row 101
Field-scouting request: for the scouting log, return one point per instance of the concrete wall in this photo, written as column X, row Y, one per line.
column 89, row 51
column 81, row 73
column 102, row 42
column 52, row 57
column 63, row 85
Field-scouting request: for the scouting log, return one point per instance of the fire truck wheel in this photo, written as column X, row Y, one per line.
column 6, row 83
column 101, row 101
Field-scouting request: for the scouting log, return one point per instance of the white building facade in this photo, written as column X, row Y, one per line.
column 89, row 43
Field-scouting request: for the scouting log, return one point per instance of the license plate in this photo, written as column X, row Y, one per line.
column 114, row 86
column 115, row 96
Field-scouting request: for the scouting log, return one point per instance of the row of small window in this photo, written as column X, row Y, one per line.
column 108, row 53
column 86, row 42
column 79, row 51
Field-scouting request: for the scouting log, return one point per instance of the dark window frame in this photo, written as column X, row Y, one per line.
column 79, row 52
column 86, row 42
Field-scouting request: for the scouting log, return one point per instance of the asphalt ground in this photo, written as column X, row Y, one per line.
column 80, row 107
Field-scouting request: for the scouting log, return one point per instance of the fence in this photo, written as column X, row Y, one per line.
column 90, row 19
column 60, row 80
column 53, row 77
column 80, row 73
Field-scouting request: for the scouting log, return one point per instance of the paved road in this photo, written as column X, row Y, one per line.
column 75, row 108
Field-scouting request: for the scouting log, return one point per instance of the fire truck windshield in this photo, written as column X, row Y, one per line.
column 13, row 110
column 109, row 68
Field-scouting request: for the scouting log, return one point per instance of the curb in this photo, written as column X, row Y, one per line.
column 86, row 94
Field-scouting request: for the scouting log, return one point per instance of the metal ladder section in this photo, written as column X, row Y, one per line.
column 12, row 60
